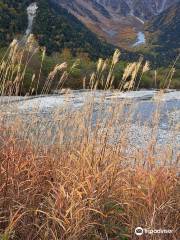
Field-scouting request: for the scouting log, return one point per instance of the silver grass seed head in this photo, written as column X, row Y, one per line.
column 146, row 67
column 100, row 64
column 116, row 56
column 14, row 43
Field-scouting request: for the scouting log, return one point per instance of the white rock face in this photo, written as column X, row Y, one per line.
column 31, row 11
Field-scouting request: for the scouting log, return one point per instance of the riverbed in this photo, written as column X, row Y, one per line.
column 136, row 109
column 141, row 39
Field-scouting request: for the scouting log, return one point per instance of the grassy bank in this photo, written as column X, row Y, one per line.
column 30, row 64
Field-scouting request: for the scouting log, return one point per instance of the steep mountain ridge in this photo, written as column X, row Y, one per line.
column 163, row 33
column 139, row 8
column 117, row 21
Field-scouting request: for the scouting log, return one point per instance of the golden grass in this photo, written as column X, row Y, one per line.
column 83, row 191
column 14, row 65
column 85, row 186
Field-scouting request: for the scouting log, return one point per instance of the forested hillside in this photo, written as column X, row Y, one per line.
column 163, row 34
column 13, row 19
column 54, row 28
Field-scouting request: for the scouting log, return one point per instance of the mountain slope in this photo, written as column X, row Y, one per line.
column 13, row 19
column 53, row 27
column 164, row 29
column 103, row 20
column 163, row 33
column 57, row 29
column 144, row 9
column 117, row 21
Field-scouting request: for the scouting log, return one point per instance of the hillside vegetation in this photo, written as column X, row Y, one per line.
column 163, row 35
column 13, row 20
column 54, row 28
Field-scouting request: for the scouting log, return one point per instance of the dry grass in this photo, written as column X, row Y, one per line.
column 15, row 63
column 84, row 186
column 83, row 192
